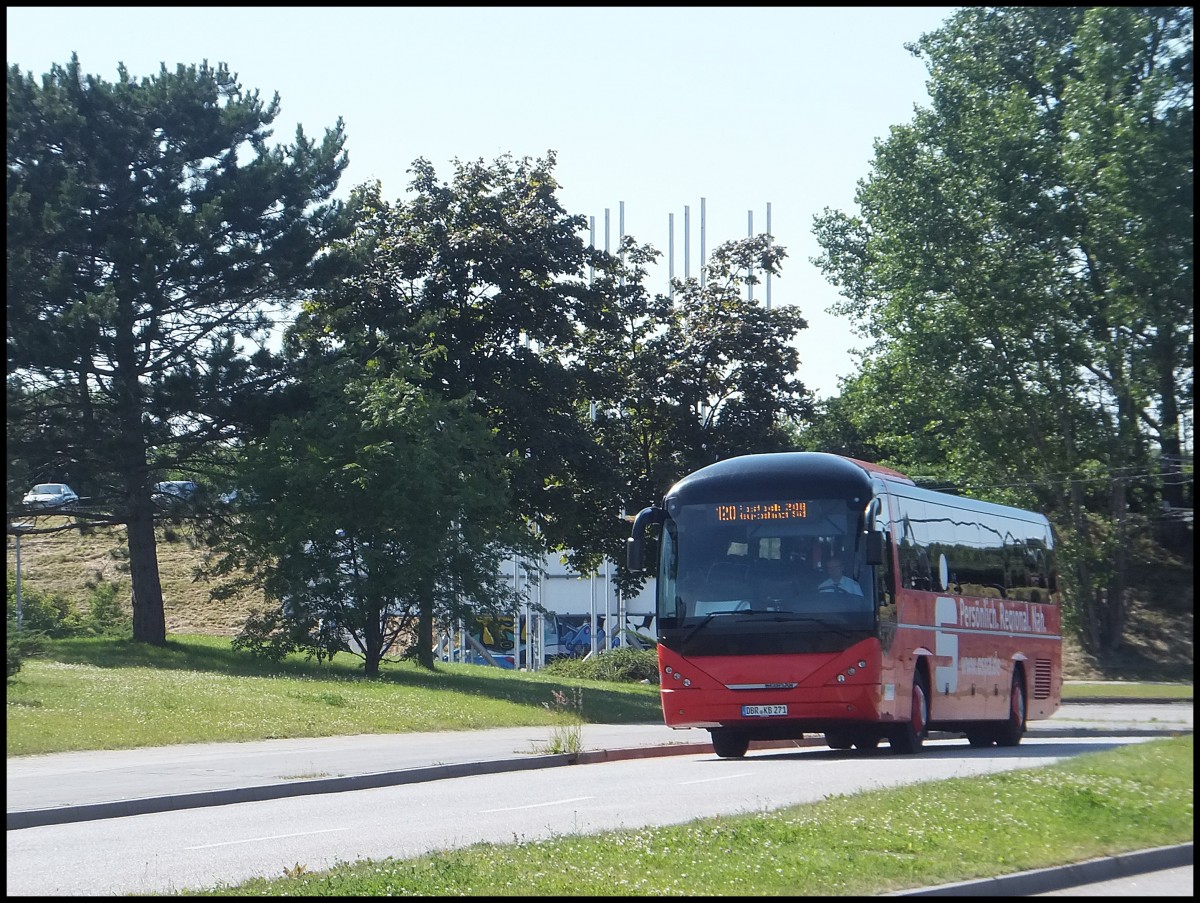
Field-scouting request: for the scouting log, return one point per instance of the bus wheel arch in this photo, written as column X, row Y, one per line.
column 909, row 737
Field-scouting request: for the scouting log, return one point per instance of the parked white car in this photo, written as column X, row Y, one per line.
column 50, row 495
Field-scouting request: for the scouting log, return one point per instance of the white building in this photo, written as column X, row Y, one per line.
column 578, row 607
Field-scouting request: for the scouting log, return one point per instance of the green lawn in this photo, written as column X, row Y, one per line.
column 100, row 693
column 110, row 694
column 1157, row 691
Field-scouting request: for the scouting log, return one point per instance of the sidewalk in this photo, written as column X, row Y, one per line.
column 80, row 786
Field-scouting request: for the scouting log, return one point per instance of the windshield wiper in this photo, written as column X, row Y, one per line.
column 691, row 633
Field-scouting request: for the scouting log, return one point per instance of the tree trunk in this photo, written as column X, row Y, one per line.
column 149, row 621
column 1114, row 610
column 373, row 646
column 425, row 631
column 1174, row 534
column 1089, row 625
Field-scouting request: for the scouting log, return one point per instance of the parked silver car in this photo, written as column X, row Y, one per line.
column 50, row 495
column 171, row 493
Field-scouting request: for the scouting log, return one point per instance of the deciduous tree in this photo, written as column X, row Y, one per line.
column 1022, row 257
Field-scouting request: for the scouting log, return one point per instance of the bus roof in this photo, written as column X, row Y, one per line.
column 761, row 476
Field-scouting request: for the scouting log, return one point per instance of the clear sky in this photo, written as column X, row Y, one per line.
column 652, row 107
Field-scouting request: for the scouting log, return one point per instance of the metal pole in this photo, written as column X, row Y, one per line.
column 768, row 245
column 592, row 584
column 687, row 243
column 703, row 259
column 591, row 244
column 750, row 234
column 621, row 225
column 517, row 618
column 17, row 537
column 592, row 614
column 621, row 229
column 608, row 634
column 671, row 255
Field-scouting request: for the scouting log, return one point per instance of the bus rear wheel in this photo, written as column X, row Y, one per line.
column 729, row 744
column 910, row 737
column 1010, row 733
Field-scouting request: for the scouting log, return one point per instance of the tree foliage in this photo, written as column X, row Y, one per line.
column 690, row 378
column 373, row 512
column 482, row 279
column 1022, row 259
column 150, row 230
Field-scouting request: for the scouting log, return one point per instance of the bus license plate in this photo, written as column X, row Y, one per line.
column 763, row 711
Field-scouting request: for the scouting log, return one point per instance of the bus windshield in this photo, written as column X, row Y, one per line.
column 798, row 561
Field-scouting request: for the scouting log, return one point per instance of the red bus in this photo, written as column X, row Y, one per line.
column 804, row 592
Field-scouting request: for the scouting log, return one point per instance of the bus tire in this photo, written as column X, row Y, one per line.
column 981, row 737
column 838, row 739
column 729, row 744
column 910, row 737
column 1010, row 733
column 866, row 742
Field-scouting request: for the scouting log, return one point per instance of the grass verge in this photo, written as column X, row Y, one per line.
column 1134, row 797
column 101, row 693
column 1080, row 692
column 106, row 693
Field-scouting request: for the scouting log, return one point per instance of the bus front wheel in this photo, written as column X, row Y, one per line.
column 729, row 744
column 839, row 739
column 910, row 737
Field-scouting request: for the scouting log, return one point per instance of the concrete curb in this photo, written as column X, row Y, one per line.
column 58, row 815
column 1041, row 881
column 1134, row 700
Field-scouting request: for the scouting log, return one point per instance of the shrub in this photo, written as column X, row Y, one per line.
column 20, row 644
column 271, row 635
column 49, row 614
column 624, row 665
column 13, row 642
column 106, row 613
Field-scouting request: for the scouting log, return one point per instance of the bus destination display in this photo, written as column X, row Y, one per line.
column 762, row 511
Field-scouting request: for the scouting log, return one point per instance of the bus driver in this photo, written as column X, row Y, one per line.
column 837, row 581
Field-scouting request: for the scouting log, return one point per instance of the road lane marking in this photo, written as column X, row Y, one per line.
column 230, row 843
column 724, row 777
column 577, row 799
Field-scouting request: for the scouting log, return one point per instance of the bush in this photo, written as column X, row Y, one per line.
column 106, row 614
column 13, row 641
column 50, row 615
column 624, row 665
column 20, row 645
column 271, row 635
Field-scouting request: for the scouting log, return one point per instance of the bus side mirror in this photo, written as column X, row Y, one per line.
column 633, row 545
column 875, row 548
